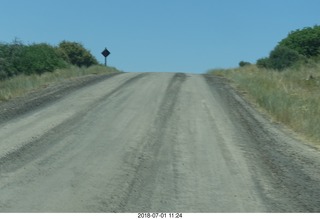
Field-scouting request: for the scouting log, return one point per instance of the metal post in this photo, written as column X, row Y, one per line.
column 105, row 61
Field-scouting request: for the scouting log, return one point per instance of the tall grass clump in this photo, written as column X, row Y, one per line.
column 290, row 96
column 21, row 84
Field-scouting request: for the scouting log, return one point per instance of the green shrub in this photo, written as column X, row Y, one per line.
column 263, row 63
column 40, row 58
column 17, row 58
column 76, row 54
column 283, row 57
column 10, row 55
column 300, row 46
column 306, row 41
column 243, row 63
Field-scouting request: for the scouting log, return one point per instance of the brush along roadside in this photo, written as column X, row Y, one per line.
column 291, row 97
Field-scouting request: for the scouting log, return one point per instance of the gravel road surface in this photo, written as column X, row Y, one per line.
column 153, row 142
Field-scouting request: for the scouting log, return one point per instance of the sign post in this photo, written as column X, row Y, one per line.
column 105, row 53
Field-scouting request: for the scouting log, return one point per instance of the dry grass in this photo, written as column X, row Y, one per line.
column 21, row 84
column 290, row 96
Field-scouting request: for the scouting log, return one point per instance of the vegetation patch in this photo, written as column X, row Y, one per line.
column 17, row 58
column 286, row 84
column 289, row 96
column 21, row 84
column 24, row 68
column 301, row 46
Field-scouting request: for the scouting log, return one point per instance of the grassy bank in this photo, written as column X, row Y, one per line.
column 291, row 97
column 17, row 86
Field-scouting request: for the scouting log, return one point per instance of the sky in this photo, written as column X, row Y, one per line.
column 189, row 36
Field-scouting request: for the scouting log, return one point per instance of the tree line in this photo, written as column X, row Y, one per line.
column 17, row 58
column 299, row 47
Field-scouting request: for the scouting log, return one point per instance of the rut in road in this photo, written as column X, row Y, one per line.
column 29, row 150
column 154, row 142
column 147, row 167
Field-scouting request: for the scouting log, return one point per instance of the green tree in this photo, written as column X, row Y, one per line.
column 305, row 41
column 39, row 58
column 283, row 57
column 76, row 54
column 10, row 55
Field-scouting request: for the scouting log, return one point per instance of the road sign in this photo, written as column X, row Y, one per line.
column 105, row 52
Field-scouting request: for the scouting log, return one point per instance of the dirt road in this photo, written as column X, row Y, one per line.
column 152, row 142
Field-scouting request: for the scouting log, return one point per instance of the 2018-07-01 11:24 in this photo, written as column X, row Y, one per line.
column 159, row 215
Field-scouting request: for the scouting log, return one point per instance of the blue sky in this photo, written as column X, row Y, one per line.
column 160, row 35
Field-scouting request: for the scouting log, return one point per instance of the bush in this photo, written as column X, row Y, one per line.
column 243, row 63
column 306, row 41
column 280, row 58
column 76, row 54
column 263, row 63
column 17, row 58
column 39, row 58
column 283, row 57
column 10, row 55
column 299, row 46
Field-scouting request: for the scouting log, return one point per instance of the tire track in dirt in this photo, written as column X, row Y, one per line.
column 39, row 144
column 140, row 188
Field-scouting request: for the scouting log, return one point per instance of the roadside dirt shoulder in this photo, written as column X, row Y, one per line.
column 286, row 168
column 45, row 95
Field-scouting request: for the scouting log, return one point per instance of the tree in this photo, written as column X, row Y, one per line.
column 39, row 58
column 10, row 55
column 283, row 57
column 306, row 41
column 76, row 54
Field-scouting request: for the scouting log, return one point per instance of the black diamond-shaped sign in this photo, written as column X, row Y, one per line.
column 105, row 52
